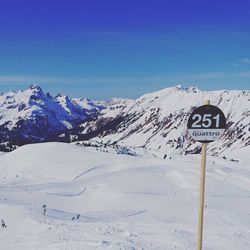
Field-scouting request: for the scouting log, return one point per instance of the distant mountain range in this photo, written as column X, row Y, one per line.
column 155, row 121
column 32, row 116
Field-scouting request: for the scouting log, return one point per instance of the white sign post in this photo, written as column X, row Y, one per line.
column 206, row 124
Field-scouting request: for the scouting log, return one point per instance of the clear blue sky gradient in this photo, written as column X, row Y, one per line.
column 100, row 49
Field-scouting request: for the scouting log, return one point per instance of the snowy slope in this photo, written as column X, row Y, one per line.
column 116, row 105
column 125, row 202
column 88, row 104
column 158, row 121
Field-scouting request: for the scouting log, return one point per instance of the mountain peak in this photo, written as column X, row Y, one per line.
column 35, row 91
column 35, row 87
column 62, row 97
column 193, row 89
column 178, row 86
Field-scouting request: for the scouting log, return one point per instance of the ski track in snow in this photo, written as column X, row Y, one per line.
column 124, row 202
column 85, row 172
column 62, row 194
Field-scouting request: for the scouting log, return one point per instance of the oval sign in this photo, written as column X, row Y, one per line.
column 206, row 123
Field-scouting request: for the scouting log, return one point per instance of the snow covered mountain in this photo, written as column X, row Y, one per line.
column 33, row 116
column 158, row 122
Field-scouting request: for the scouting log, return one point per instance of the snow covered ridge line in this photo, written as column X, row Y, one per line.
column 32, row 116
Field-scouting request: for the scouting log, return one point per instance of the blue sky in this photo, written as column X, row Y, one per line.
column 100, row 49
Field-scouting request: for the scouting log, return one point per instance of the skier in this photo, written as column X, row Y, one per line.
column 3, row 223
column 44, row 209
column 78, row 216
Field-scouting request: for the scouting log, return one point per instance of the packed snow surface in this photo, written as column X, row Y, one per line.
column 124, row 202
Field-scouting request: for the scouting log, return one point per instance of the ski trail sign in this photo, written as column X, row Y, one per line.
column 205, row 124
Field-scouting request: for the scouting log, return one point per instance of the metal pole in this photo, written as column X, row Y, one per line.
column 202, row 191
